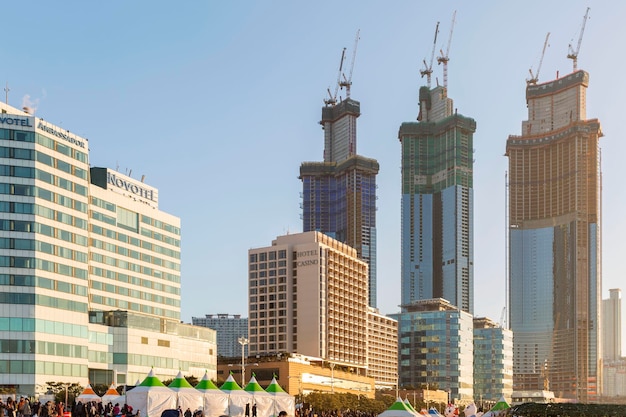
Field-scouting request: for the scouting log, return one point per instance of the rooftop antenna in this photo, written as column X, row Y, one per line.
column 444, row 58
column 428, row 68
column 573, row 55
column 332, row 98
column 6, row 93
column 535, row 77
column 347, row 82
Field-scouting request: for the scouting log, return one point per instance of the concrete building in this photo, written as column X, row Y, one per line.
column 382, row 349
column 308, row 296
column 612, row 326
column 436, row 348
column 339, row 194
column 554, row 242
column 89, row 268
column 493, row 362
column 437, row 203
column 229, row 328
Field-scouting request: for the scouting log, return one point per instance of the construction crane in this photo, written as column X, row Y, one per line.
column 332, row 97
column 573, row 55
column 444, row 58
column 535, row 77
column 347, row 82
column 428, row 68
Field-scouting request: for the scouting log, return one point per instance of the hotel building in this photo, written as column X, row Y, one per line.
column 89, row 268
column 339, row 194
column 554, row 242
column 308, row 296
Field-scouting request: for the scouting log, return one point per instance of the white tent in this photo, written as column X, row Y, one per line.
column 281, row 401
column 186, row 395
column 215, row 401
column 261, row 399
column 151, row 397
column 112, row 396
column 237, row 398
column 88, row 395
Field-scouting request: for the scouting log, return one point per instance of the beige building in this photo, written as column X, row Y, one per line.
column 382, row 349
column 309, row 296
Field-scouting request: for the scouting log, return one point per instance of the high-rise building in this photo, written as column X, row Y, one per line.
column 436, row 348
column 612, row 326
column 339, row 194
column 493, row 361
column 229, row 328
column 437, row 203
column 89, row 268
column 308, row 296
column 554, row 241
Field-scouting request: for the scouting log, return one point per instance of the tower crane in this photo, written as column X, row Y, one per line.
column 444, row 58
column 332, row 98
column 573, row 55
column 535, row 77
column 428, row 68
column 347, row 82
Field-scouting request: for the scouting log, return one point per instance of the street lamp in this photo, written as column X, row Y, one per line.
column 332, row 377
column 243, row 342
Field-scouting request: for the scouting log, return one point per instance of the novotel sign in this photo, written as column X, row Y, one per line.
column 130, row 186
column 15, row 121
column 307, row 262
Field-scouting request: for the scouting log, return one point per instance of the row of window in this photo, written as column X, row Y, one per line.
column 43, row 348
column 133, row 241
column 44, row 247
column 141, row 308
column 130, row 266
column 136, row 294
column 23, row 324
column 32, row 173
column 156, row 361
column 31, row 137
column 28, row 226
column 32, row 191
column 42, row 300
column 40, row 282
column 145, row 283
column 56, row 163
column 54, row 369
column 29, row 208
column 42, row 264
column 264, row 256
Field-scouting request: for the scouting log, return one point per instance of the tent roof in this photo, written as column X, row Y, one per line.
column 253, row 386
column 397, row 409
column 179, row 382
column 273, row 387
column 151, row 381
column 230, row 384
column 112, row 391
column 206, row 384
column 500, row 405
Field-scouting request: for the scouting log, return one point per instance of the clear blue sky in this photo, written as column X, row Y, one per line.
column 218, row 102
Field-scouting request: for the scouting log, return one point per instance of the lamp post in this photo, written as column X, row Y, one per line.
column 243, row 342
column 332, row 377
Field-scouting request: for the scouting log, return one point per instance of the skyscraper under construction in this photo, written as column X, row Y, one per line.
column 554, row 241
column 339, row 194
column 437, row 203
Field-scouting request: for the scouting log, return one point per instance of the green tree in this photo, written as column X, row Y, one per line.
column 58, row 389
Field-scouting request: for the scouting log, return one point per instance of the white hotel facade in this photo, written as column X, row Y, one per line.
column 89, row 269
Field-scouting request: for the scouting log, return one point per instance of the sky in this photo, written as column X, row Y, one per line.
column 218, row 103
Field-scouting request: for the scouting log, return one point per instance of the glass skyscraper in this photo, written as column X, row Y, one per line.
column 554, row 241
column 339, row 194
column 437, row 203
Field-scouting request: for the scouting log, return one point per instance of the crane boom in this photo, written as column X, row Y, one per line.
column 573, row 55
column 535, row 77
column 332, row 99
column 347, row 82
column 444, row 58
column 428, row 70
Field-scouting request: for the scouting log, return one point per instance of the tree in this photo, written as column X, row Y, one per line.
column 58, row 389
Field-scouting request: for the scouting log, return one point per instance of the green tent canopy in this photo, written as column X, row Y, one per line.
column 230, row 385
column 206, row 384
column 179, row 382
column 151, row 381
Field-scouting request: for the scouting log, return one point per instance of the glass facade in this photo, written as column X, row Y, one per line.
column 339, row 194
column 436, row 348
column 493, row 361
column 437, row 206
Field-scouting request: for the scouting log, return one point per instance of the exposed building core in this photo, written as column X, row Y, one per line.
column 437, row 203
column 339, row 194
column 554, row 241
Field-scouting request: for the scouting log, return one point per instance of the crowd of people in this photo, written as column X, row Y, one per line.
column 97, row 409
column 23, row 408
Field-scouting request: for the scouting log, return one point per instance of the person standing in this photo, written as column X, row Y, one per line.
column 26, row 410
